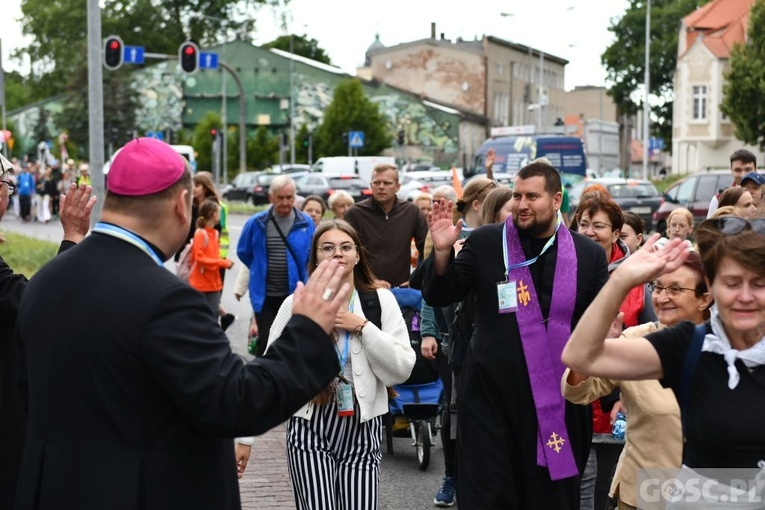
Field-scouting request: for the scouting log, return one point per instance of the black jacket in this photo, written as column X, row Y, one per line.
column 134, row 402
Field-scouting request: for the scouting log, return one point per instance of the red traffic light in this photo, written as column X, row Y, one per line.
column 214, row 133
column 188, row 55
column 113, row 52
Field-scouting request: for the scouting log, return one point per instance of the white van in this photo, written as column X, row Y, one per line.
column 347, row 165
column 187, row 151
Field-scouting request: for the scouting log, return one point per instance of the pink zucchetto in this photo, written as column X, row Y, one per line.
column 144, row 166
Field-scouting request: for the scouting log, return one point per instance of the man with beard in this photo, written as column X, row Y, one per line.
column 519, row 443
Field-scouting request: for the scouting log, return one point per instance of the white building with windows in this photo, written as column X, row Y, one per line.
column 702, row 136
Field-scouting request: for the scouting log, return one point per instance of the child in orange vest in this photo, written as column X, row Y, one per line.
column 206, row 259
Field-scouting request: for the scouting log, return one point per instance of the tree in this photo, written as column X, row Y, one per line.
column 120, row 102
column 301, row 45
column 203, row 140
column 745, row 82
column 351, row 110
column 17, row 92
column 625, row 59
column 58, row 30
column 263, row 150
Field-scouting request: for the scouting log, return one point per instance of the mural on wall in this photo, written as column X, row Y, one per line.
column 435, row 134
column 161, row 101
column 26, row 122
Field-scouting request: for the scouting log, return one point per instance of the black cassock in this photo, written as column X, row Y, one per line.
column 497, row 423
column 135, row 400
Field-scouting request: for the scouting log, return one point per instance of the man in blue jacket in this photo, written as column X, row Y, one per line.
column 274, row 246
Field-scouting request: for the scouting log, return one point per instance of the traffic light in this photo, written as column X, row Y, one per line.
column 345, row 138
column 214, row 133
column 188, row 56
column 401, row 137
column 308, row 140
column 113, row 52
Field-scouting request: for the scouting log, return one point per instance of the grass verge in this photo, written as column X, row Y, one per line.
column 26, row 255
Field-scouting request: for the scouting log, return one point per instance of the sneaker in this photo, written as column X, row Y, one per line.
column 227, row 320
column 445, row 495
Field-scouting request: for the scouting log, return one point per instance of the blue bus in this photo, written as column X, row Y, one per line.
column 566, row 153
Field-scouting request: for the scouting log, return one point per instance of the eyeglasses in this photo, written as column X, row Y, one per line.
column 329, row 248
column 734, row 225
column 11, row 187
column 672, row 291
column 598, row 226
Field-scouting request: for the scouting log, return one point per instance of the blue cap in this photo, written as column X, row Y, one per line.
column 758, row 178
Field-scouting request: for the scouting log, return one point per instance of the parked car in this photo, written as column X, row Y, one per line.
column 694, row 193
column 414, row 183
column 263, row 185
column 241, row 187
column 634, row 195
column 289, row 168
column 325, row 185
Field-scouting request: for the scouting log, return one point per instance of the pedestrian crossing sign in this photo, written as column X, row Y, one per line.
column 356, row 139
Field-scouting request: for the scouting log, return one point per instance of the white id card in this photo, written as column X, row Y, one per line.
column 344, row 398
column 507, row 297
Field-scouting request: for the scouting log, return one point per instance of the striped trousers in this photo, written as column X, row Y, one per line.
column 334, row 461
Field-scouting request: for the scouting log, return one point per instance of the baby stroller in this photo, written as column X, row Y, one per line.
column 414, row 411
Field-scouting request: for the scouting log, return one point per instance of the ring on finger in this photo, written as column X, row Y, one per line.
column 328, row 293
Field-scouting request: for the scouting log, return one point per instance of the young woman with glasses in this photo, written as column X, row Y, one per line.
column 715, row 371
column 333, row 442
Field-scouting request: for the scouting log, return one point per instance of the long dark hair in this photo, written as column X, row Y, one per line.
column 363, row 277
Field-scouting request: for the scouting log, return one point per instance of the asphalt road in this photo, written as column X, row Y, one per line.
column 403, row 484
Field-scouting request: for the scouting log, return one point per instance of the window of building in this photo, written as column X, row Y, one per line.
column 699, row 102
column 501, row 108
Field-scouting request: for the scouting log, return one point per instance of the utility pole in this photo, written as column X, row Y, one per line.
column 95, row 107
column 292, row 99
column 2, row 100
column 646, row 108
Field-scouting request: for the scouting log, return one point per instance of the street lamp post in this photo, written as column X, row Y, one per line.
column 541, row 102
column 292, row 99
column 646, row 108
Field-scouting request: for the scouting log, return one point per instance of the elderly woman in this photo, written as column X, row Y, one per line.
column 681, row 295
column 714, row 370
column 339, row 203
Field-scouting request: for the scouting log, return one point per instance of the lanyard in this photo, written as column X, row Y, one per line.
column 128, row 236
column 344, row 356
column 508, row 266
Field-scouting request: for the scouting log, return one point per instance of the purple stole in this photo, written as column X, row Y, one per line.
column 543, row 347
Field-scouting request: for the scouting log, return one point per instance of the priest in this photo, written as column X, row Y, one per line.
column 519, row 443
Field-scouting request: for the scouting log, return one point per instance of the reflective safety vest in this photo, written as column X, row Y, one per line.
column 225, row 242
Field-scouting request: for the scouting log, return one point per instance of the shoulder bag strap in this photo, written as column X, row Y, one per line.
column 689, row 368
column 301, row 271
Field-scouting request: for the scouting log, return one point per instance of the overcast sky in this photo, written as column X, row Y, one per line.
column 576, row 30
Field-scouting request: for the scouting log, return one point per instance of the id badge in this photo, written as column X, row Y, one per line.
column 507, row 297
column 344, row 397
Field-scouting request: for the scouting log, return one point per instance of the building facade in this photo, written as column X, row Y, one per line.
column 702, row 136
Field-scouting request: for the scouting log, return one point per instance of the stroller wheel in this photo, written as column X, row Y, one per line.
column 423, row 444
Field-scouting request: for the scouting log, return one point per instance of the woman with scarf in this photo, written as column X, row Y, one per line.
column 715, row 370
column 655, row 437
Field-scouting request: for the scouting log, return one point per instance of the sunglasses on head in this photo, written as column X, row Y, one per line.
column 733, row 225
